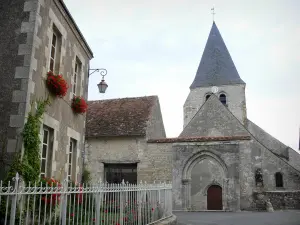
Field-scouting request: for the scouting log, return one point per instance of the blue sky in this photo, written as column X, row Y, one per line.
column 154, row 48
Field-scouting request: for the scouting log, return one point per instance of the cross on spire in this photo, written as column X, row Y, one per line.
column 213, row 13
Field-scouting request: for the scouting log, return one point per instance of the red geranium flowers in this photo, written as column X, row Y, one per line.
column 79, row 105
column 56, row 84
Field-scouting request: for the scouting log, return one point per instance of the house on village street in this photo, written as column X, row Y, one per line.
column 220, row 161
column 116, row 141
column 37, row 37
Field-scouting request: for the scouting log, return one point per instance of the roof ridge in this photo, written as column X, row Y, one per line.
column 252, row 136
column 111, row 99
column 197, row 112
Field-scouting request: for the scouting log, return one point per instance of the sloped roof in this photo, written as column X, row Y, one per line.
column 199, row 139
column 119, row 117
column 216, row 66
column 214, row 119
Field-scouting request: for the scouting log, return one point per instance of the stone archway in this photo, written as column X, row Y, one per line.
column 201, row 171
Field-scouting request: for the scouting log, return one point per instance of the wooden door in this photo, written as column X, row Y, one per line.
column 214, row 198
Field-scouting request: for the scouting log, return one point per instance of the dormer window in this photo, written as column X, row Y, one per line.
column 207, row 97
column 222, row 99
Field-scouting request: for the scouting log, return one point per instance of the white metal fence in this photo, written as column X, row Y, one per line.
column 50, row 202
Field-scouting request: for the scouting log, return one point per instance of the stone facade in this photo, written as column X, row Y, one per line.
column 236, row 101
column 28, row 45
column 281, row 200
column 197, row 166
column 152, row 164
column 220, row 159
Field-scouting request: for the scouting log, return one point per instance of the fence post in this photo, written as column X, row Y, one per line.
column 98, row 202
column 139, row 202
column 122, row 195
column 64, row 203
column 14, row 199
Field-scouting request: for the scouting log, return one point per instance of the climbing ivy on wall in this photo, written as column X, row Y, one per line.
column 28, row 165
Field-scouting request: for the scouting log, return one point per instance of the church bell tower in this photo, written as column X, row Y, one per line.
column 217, row 75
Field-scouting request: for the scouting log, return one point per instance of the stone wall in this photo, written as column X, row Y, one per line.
column 52, row 14
column 190, row 185
column 32, row 53
column 252, row 156
column 14, row 38
column 294, row 158
column 154, row 161
column 214, row 120
column 281, row 200
column 112, row 150
column 155, row 124
column 236, row 101
column 267, row 140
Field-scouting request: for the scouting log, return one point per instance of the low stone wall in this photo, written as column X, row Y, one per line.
column 280, row 200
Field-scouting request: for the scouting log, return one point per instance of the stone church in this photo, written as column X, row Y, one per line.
column 220, row 161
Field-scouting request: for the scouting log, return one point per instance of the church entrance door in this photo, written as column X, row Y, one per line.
column 214, row 198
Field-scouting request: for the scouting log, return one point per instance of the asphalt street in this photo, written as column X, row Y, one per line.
column 238, row 218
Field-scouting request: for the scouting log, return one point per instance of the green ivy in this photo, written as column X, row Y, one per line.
column 86, row 176
column 28, row 165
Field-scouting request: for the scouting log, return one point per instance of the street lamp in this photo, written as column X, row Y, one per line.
column 102, row 86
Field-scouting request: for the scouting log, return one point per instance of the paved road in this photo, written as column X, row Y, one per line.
column 238, row 218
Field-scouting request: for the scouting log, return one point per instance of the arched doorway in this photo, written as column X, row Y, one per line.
column 214, row 198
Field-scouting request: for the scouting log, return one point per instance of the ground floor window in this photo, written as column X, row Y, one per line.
column 115, row 173
column 72, row 160
column 46, row 152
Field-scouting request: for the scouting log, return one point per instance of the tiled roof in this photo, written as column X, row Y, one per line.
column 199, row 139
column 119, row 117
column 216, row 66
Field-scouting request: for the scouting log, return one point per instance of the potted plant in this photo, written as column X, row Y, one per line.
column 78, row 105
column 56, row 84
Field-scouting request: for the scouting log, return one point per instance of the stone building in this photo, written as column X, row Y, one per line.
column 116, row 140
column 38, row 36
column 220, row 161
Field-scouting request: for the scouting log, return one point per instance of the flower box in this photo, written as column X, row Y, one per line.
column 56, row 84
column 78, row 105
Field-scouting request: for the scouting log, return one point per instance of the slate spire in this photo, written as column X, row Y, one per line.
column 216, row 66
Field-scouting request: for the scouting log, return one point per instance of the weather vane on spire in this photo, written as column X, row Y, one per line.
column 213, row 13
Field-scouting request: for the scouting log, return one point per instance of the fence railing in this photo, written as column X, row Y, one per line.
column 50, row 202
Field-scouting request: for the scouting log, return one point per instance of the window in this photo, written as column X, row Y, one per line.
column 71, row 156
column 259, row 177
column 55, row 51
column 115, row 173
column 207, row 97
column 279, row 179
column 46, row 152
column 76, row 74
column 222, row 99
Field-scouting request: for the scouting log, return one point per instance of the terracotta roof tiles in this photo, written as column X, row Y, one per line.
column 119, row 117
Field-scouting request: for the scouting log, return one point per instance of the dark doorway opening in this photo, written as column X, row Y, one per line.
column 214, row 198
column 116, row 173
